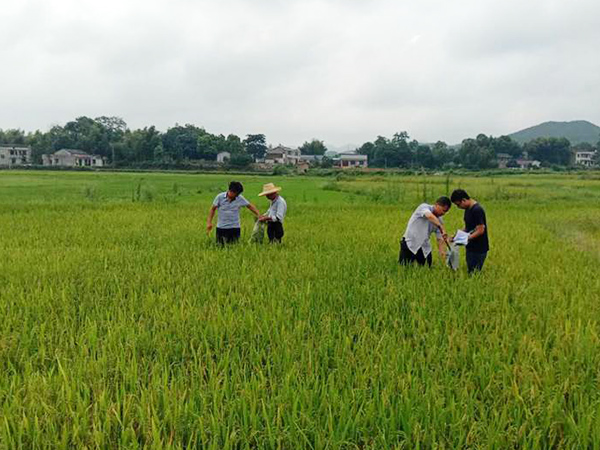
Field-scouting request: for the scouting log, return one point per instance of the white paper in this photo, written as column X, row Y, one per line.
column 461, row 238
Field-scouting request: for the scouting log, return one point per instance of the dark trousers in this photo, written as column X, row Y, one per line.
column 227, row 235
column 407, row 257
column 475, row 261
column 275, row 231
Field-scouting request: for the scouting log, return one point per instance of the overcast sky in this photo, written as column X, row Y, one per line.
column 343, row 71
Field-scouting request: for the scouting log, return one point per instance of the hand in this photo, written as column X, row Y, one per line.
column 209, row 227
column 263, row 218
column 444, row 234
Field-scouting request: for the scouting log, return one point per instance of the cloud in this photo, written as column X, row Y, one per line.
column 342, row 71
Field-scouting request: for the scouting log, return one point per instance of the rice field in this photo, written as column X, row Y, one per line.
column 122, row 324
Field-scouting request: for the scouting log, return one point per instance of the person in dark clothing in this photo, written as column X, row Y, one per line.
column 476, row 226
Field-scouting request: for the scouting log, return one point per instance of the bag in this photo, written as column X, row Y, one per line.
column 258, row 233
column 453, row 257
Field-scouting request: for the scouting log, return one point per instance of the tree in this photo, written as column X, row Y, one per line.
column 442, row 154
column 210, row 145
column 384, row 152
column 550, row 150
column 314, row 147
column 182, row 142
column 234, row 145
column 240, row 160
column 473, row 156
column 115, row 127
column 88, row 135
column 424, row 157
column 256, row 145
column 403, row 149
column 40, row 143
column 140, row 145
column 368, row 148
column 384, row 155
column 326, row 162
column 505, row 144
column 12, row 136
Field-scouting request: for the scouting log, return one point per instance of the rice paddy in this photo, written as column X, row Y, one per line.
column 124, row 326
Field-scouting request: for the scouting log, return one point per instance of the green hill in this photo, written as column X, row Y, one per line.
column 576, row 132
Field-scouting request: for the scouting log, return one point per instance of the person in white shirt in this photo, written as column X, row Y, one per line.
column 426, row 219
column 228, row 204
column 276, row 214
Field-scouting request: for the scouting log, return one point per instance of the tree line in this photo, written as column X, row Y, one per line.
column 481, row 152
column 111, row 138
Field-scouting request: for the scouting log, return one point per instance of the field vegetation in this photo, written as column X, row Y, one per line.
column 124, row 326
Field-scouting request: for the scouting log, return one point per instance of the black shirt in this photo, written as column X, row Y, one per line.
column 474, row 216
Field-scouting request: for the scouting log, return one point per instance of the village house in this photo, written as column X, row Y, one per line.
column 223, row 157
column 14, row 155
column 585, row 159
column 528, row 163
column 503, row 159
column 282, row 155
column 311, row 160
column 72, row 158
column 351, row 161
column 302, row 166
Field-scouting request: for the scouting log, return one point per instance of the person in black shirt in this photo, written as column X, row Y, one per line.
column 476, row 226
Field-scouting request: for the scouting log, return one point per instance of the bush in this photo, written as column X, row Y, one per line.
column 281, row 170
column 240, row 160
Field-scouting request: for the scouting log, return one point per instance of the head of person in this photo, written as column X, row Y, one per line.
column 442, row 206
column 235, row 189
column 460, row 198
column 270, row 191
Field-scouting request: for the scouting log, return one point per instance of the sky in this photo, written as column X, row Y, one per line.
column 342, row 71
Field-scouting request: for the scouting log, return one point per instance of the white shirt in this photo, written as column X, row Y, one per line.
column 229, row 211
column 277, row 210
column 419, row 229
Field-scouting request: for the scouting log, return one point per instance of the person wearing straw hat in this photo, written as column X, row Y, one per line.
column 276, row 213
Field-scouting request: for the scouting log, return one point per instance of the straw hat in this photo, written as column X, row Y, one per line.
column 269, row 188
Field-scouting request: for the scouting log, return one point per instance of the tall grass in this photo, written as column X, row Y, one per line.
column 123, row 325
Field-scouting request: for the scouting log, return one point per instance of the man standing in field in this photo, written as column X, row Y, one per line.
column 229, row 203
column 276, row 213
column 476, row 226
column 427, row 219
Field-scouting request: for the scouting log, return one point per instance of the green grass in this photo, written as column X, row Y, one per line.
column 123, row 325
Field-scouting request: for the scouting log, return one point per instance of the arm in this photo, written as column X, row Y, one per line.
column 436, row 222
column 211, row 214
column 442, row 248
column 478, row 231
column 254, row 210
column 278, row 214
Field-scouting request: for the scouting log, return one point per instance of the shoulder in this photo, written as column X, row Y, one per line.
column 478, row 208
column 242, row 199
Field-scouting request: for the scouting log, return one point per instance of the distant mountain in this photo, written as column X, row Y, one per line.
column 576, row 132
